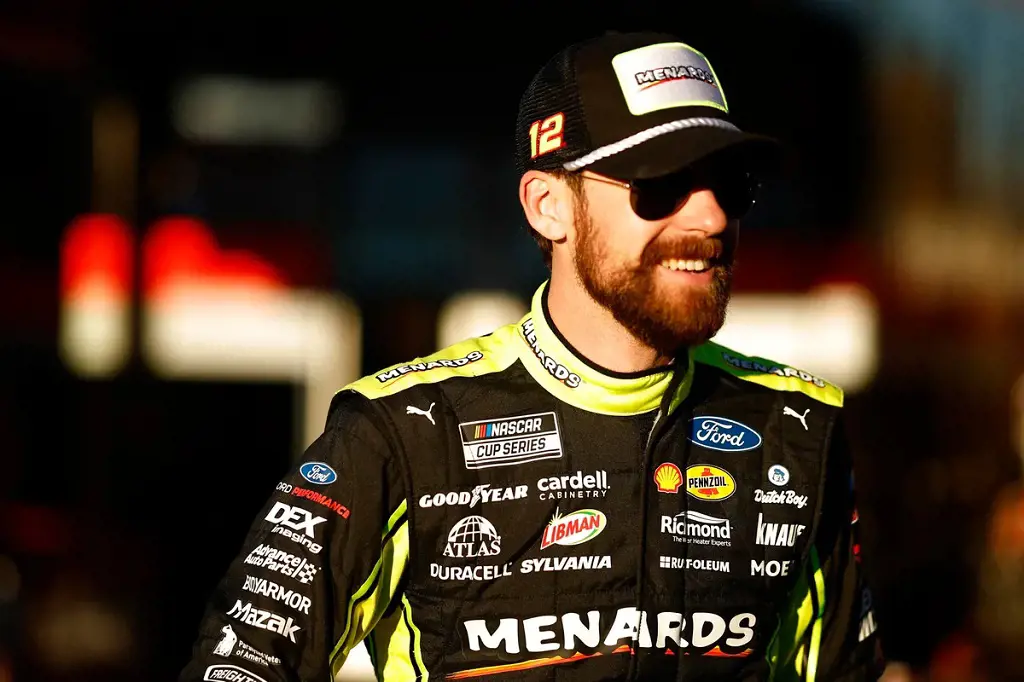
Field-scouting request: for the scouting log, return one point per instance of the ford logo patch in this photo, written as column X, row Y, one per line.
column 318, row 472
column 726, row 435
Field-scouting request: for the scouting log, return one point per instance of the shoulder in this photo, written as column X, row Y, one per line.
column 479, row 356
column 774, row 375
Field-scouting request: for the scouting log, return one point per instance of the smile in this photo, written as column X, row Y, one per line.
column 687, row 265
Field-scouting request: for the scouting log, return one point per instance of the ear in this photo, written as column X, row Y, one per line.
column 547, row 203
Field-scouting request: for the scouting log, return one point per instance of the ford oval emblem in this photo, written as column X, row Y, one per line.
column 318, row 472
column 726, row 435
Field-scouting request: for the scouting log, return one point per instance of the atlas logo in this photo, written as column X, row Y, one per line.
column 574, row 528
column 472, row 537
column 569, row 632
column 396, row 372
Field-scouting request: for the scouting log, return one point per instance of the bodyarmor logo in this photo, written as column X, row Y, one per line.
column 267, row 588
column 553, row 367
column 473, row 536
column 570, row 632
column 777, row 534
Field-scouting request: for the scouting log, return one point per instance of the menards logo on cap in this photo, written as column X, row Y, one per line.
column 574, row 528
column 707, row 482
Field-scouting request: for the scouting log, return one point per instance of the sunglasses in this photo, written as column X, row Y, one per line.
column 734, row 187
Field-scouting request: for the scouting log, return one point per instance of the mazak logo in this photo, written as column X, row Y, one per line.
column 570, row 632
column 268, row 588
column 510, row 440
column 273, row 559
column 574, row 528
column 553, row 367
column 725, row 435
column 789, row 497
column 230, row 673
column 711, row 483
column 481, row 494
column 574, row 486
column 396, row 372
column 296, row 524
column 698, row 529
column 265, row 620
column 472, row 537
column 777, row 534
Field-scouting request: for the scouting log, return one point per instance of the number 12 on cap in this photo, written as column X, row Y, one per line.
column 546, row 135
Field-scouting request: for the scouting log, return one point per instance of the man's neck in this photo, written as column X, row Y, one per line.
column 594, row 333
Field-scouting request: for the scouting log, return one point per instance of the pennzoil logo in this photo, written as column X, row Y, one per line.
column 708, row 482
column 668, row 478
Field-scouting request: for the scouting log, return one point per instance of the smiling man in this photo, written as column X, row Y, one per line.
column 597, row 491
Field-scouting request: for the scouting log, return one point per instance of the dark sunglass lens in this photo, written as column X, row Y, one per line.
column 735, row 192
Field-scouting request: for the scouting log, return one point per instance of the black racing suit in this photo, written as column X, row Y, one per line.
column 504, row 509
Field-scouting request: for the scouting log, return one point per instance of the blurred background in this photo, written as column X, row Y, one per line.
column 215, row 215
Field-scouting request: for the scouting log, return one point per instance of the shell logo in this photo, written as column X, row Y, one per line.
column 707, row 482
column 668, row 478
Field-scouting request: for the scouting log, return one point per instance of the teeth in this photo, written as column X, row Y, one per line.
column 689, row 265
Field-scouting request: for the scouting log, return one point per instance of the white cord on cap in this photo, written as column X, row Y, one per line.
column 643, row 136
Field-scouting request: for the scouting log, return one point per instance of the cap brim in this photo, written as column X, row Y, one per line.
column 674, row 151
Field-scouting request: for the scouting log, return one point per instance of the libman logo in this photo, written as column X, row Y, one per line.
column 707, row 482
column 574, row 528
column 428, row 365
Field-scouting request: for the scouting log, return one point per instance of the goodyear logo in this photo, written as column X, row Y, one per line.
column 711, row 483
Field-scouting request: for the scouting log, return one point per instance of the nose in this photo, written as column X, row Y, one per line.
column 701, row 212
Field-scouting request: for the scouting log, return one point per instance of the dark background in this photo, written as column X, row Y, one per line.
column 124, row 498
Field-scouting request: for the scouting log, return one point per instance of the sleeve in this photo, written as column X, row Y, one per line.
column 828, row 631
column 321, row 564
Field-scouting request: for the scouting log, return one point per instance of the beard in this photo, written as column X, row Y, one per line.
column 666, row 322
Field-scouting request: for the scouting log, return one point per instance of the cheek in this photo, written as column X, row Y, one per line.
column 618, row 230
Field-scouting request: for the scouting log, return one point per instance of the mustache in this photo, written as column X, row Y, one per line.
column 684, row 248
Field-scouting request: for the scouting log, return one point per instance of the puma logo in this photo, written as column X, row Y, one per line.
column 410, row 409
column 790, row 412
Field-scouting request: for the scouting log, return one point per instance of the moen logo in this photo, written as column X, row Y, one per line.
column 570, row 632
column 707, row 482
column 574, row 528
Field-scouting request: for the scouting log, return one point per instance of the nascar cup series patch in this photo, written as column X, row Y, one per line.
column 510, row 440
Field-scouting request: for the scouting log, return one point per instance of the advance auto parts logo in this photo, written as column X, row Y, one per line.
column 510, row 440
column 711, row 483
column 574, row 528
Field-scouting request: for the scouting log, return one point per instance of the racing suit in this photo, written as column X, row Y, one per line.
column 504, row 509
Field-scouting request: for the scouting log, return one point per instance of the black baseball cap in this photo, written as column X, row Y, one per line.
column 631, row 106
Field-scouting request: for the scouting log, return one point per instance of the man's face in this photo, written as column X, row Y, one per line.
column 644, row 272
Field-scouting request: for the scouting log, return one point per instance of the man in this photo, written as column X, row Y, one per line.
column 594, row 492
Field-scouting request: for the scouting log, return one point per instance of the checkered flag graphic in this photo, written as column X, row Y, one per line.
column 306, row 574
